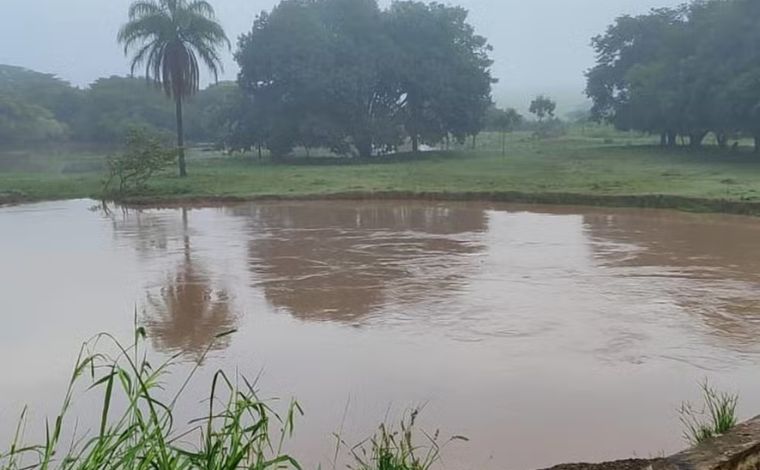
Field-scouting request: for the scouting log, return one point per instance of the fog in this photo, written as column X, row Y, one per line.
column 540, row 46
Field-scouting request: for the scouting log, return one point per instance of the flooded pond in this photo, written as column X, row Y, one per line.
column 543, row 334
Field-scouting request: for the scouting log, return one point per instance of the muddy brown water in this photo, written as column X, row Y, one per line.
column 543, row 334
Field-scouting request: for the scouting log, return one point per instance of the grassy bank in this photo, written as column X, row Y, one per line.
column 582, row 168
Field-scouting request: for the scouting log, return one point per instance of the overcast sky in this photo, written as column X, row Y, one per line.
column 540, row 46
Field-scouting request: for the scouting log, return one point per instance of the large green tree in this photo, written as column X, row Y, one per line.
column 441, row 68
column 316, row 70
column 170, row 38
column 685, row 71
column 636, row 49
column 348, row 76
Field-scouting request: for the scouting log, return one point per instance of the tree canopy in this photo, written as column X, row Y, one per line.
column 34, row 106
column 543, row 107
column 25, row 123
column 38, row 107
column 112, row 106
column 682, row 71
column 348, row 76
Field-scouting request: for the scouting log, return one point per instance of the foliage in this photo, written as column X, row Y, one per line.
column 342, row 75
column 34, row 107
column 348, row 76
column 391, row 449
column 548, row 125
column 442, row 69
column 144, row 156
column 40, row 108
column 212, row 113
column 716, row 417
column 684, row 71
column 137, row 428
column 112, row 106
column 30, row 88
column 543, row 107
column 25, row 123
column 312, row 71
column 503, row 121
column 170, row 38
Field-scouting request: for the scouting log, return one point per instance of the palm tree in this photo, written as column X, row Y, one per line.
column 169, row 37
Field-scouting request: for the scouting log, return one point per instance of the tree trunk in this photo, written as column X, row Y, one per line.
column 663, row 139
column 504, row 143
column 696, row 138
column 364, row 147
column 258, row 147
column 180, row 139
column 671, row 138
column 413, row 128
column 757, row 143
column 474, row 141
column 722, row 139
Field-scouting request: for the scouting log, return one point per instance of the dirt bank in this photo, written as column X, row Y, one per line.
column 653, row 201
column 633, row 464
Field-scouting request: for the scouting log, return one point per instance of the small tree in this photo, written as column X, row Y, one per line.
column 543, row 106
column 171, row 38
column 144, row 156
column 505, row 121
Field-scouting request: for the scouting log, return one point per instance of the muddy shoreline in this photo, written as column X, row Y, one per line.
column 631, row 464
column 655, row 201
column 649, row 201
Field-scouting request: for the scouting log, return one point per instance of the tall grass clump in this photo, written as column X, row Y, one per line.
column 136, row 428
column 717, row 415
column 398, row 448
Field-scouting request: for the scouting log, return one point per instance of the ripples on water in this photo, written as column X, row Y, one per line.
column 543, row 334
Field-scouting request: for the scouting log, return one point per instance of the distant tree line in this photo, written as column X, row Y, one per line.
column 682, row 73
column 37, row 107
column 344, row 75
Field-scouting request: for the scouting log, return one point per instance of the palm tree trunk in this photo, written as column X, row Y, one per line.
column 180, row 139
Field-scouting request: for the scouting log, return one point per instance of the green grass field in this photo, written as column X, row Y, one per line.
column 593, row 163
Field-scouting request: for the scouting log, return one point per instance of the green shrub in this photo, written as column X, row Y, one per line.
column 716, row 417
column 144, row 156
column 391, row 449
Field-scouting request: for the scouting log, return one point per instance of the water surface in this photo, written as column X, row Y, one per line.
column 542, row 334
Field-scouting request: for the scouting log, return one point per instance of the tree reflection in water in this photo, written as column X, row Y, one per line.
column 705, row 264
column 188, row 312
column 342, row 262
